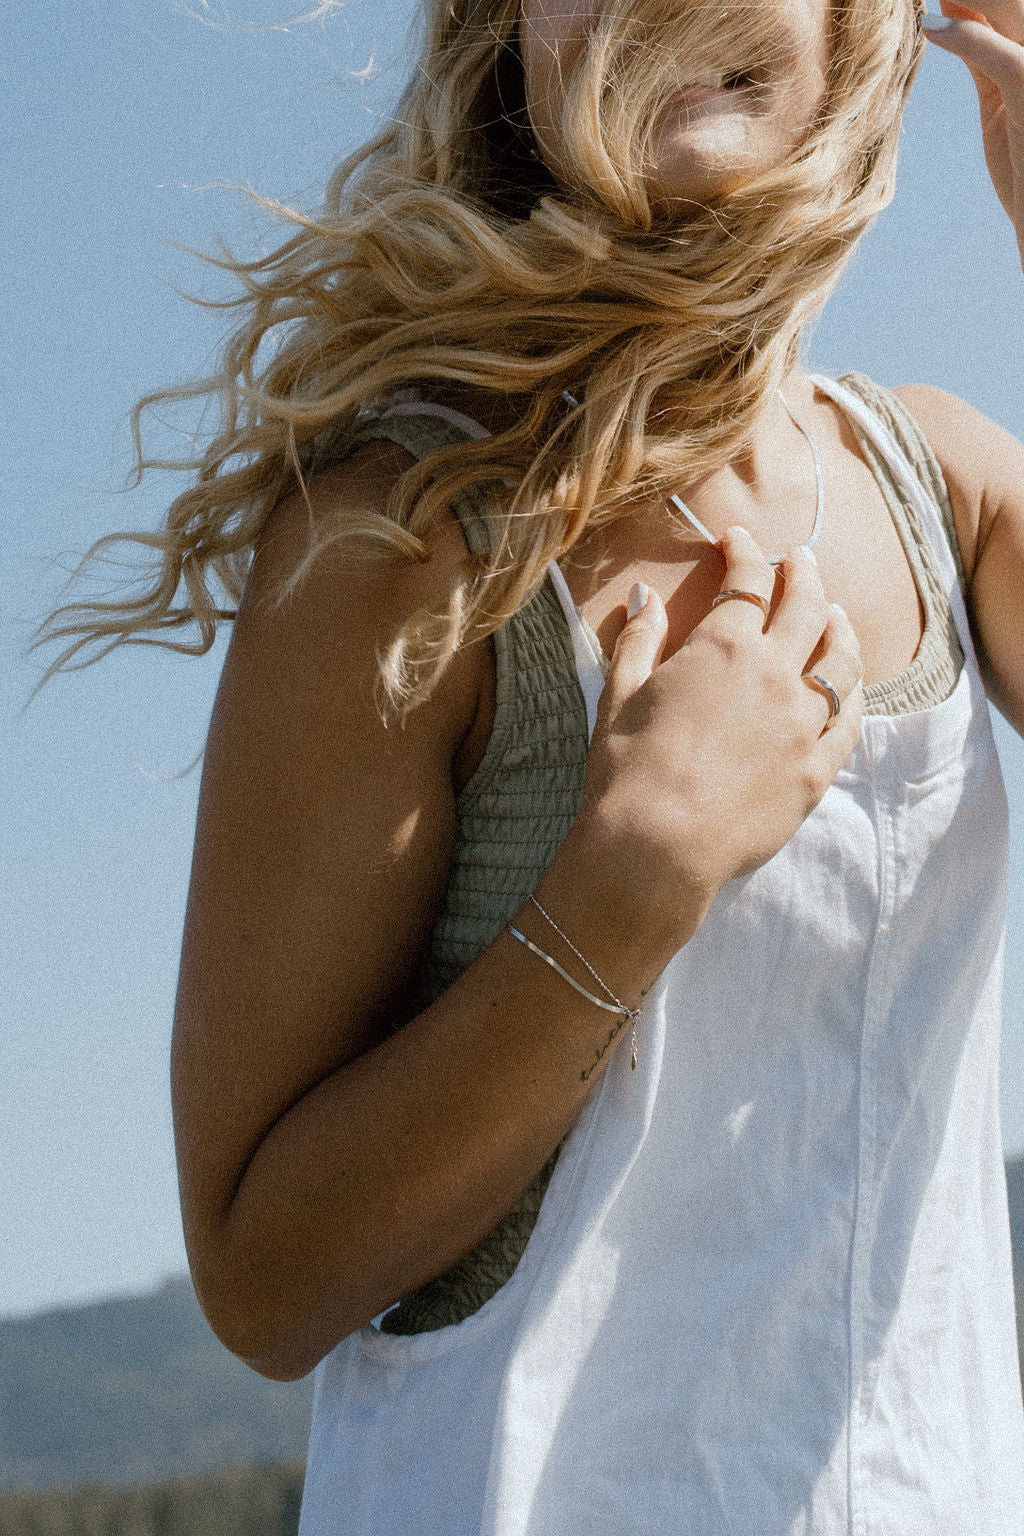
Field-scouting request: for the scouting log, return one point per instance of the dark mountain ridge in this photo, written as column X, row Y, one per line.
column 132, row 1390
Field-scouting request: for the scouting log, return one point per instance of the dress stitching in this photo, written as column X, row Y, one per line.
column 865, row 1210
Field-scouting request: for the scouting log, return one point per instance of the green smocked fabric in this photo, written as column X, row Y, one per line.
column 516, row 810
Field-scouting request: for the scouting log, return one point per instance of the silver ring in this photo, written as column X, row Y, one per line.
column 729, row 594
column 826, row 688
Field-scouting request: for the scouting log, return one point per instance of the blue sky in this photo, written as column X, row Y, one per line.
column 125, row 127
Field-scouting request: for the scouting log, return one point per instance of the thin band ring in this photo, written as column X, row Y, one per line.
column 825, row 687
column 731, row 593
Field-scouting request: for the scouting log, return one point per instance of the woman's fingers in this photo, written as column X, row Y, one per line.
column 802, row 613
column 820, row 644
column 748, row 584
column 806, row 639
column 734, row 709
column 637, row 648
column 834, row 677
column 983, row 48
column 1006, row 16
column 990, row 41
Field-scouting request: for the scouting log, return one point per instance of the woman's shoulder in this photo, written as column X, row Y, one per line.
column 960, row 434
column 982, row 463
column 337, row 524
column 974, row 461
column 323, row 607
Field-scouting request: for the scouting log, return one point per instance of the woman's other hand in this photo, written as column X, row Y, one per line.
column 990, row 41
column 702, row 767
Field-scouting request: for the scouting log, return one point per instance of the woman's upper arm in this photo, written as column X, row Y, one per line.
column 983, row 466
column 323, row 840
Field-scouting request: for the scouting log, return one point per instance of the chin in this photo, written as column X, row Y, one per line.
column 695, row 166
column 674, row 194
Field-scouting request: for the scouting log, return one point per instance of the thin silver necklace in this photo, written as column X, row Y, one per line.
column 819, row 510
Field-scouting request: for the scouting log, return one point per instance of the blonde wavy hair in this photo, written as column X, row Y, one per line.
column 447, row 258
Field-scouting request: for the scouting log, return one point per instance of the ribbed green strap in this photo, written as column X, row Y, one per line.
column 419, row 435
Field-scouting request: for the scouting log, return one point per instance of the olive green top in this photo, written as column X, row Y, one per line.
column 527, row 791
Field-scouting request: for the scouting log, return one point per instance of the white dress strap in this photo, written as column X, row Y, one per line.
column 585, row 647
column 464, row 423
column 903, row 473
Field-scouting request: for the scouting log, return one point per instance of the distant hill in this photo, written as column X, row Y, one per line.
column 241, row 1501
column 134, row 1390
column 138, row 1390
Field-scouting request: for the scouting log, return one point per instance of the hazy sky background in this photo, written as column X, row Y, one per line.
column 124, row 120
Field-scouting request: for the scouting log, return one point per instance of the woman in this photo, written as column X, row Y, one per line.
column 537, row 462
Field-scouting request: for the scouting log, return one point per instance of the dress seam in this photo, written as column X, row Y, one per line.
column 865, row 1212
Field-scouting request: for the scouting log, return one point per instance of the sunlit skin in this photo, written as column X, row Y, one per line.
column 990, row 41
column 330, row 1165
column 707, row 141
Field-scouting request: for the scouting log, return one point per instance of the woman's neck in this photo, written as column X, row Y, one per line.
column 499, row 413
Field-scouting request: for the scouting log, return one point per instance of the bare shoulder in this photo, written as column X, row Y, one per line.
column 320, row 637
column 335, row 585
column 982, row 463
column 361, row 483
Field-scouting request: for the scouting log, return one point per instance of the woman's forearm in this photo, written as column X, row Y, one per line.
column 400, row 1161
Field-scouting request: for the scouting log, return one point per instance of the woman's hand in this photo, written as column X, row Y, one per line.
column 991, row 44
column 702, row 767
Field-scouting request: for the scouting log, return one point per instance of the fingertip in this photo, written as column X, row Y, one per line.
column 842, row 627
column 639, row 597
column 738, row 545
column 855, row 702
column 637, row 627
column 800, row 564
column 638, row 645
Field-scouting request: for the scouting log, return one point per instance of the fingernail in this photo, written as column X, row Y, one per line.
column 738, row 528
column 838, row 608
column 637, row 599
column 931, row 23
column 809, row 552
